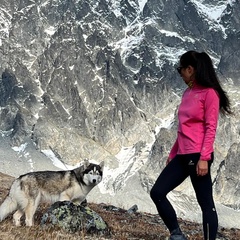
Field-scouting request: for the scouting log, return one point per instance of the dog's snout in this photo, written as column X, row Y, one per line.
column 94, row 180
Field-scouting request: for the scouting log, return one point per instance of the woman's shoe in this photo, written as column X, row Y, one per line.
column 177, row 235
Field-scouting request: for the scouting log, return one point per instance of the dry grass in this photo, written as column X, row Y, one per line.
column 122, row 225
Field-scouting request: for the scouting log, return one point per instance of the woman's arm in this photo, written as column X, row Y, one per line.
column 210, row 121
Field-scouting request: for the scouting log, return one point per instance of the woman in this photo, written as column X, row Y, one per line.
column 192, row 153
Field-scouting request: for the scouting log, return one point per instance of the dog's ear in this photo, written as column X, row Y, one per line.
column 101, row 165
column 86, row 163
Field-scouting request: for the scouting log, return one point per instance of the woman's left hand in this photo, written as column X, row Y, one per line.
column 202, row 168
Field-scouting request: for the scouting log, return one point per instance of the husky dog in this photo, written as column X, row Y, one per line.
column 30, row 189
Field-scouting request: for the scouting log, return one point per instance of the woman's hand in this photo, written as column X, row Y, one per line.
column 202, row 168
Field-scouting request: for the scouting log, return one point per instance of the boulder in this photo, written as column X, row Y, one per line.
column 72, row 218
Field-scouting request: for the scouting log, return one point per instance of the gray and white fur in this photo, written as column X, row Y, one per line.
column 30, row 189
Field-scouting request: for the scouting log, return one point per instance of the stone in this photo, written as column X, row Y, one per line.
column 72, row 218
column 133, row 209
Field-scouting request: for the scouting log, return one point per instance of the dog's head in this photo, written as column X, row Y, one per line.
column 92, row 173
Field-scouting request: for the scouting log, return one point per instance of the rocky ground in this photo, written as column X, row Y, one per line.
column 123, row 225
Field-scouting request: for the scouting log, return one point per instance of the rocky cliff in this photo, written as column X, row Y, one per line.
column 97, row 79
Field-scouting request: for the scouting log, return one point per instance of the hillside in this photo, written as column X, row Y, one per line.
column 122, row 225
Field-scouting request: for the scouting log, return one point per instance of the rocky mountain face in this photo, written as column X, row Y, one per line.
column 97, row 79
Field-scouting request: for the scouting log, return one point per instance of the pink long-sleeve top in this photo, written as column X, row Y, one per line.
column 198, row 119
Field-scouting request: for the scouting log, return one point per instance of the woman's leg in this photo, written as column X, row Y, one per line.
column 172, row 175
column 203, row 189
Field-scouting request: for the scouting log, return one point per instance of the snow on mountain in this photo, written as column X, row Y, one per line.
column 214, row 11
column 141, row 4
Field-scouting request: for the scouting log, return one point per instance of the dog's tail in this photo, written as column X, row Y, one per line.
column 8, row 206
column 10, row 203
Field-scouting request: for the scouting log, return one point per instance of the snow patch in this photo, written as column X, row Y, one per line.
column 212, row 12
column 56, row 162
column 20, row 148
column 142, row 4
column 6, row 133
column 128, row 166
column 50, row 31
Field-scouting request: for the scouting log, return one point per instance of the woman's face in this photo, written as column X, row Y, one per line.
column 187, row 73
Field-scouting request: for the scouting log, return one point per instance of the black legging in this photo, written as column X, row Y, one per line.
column 173, row 175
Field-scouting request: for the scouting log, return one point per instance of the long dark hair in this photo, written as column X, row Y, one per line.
column 205, row 75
